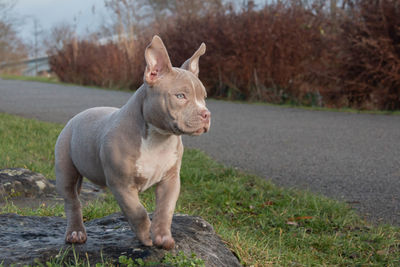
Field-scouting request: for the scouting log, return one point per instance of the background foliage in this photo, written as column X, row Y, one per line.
column 11, row 46
column 299, row 52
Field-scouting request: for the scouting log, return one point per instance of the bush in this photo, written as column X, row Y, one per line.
column 251, row 55
column 285, row 52
column 369, row 55
column 90, row 63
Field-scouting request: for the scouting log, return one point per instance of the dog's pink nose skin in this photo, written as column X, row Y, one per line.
column 205, row 115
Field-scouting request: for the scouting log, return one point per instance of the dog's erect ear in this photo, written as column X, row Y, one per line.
column 157, row 59
column 192, row 64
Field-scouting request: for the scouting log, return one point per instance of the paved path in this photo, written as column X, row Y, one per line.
column 352, row 157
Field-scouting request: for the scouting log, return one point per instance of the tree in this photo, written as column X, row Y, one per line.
column 59, row 36
column 130, row 16
column 11, row 46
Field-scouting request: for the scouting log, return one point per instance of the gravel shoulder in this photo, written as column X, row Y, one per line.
column 346, row 156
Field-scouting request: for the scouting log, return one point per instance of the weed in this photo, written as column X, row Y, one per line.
column 181, row 260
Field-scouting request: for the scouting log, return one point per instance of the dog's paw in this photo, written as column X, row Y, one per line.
column 164, row 241
column 146, row 241
column 75, row 237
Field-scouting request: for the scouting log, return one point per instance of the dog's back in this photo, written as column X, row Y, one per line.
column 78, row 143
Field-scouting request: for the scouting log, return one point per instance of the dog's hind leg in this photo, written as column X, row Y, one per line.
column 68, row 182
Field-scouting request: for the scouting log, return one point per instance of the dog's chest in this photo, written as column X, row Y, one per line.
column 157, row 157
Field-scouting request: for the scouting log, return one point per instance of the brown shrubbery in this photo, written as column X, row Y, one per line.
column 12, row 48
column 369, row 55
column 88, row 63
column 254, row 55
column 280, row 53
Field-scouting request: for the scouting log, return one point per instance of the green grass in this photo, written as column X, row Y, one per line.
column 55, row 80
column 51, row 79
column 28, row 144
column 64, row 258
column 262, row 223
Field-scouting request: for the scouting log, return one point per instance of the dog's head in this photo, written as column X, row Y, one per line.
column 175, row 97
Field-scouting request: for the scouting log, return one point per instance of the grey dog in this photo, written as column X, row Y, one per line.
column 134, row 147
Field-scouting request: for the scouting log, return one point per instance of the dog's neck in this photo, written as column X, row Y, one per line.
column 133, row 109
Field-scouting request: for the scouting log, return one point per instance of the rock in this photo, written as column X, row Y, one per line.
column 30, row 189
column 108, row 238
column 19, row 182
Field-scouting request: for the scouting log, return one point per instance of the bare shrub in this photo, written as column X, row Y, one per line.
column 252, row 54
column 369, row 55
column 90, row 63
column 12, row 49
column 282, row 52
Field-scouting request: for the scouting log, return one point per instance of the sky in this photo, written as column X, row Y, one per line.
column 87, row 15
column 53, row 12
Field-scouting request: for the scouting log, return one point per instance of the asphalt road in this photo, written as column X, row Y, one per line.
column 350, row 157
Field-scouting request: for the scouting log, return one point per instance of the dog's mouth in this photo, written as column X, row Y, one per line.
column 200, row 131
column 178, row 131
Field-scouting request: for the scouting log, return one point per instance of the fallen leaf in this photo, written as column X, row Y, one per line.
column 381, row 252
column 292, row 223
column 268, row 203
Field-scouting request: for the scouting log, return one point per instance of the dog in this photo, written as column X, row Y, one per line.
column 134, row 147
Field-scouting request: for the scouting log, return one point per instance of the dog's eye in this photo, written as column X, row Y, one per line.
column 180, row 96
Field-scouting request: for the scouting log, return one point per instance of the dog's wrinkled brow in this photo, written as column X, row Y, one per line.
column 196, row 84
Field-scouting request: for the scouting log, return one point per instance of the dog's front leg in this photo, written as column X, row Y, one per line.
column 128, row 199
column 167, row 192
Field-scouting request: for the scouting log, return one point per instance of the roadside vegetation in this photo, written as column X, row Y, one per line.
column 44, row 79
column 335, row 54
column 264, row 225
column 316, row 53
column 12, row 48
column 54, row 80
